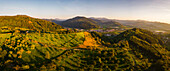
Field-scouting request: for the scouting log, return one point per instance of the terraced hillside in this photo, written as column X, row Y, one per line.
column 25, row 51
column 83, row 51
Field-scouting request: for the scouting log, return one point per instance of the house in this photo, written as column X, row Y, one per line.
column 107, row 35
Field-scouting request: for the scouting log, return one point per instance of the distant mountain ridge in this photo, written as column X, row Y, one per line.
column 146, row 24
column 83, row 22
column 106, row 23
column 149, row 25
column 110, row 23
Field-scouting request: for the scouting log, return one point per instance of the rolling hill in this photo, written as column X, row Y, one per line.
column 80, row 22
column 23, row 21
column 140, row 45
column 146, row 44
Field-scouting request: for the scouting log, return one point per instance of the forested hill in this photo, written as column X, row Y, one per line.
column 146, row 44
column 80, row 22
column 146, row 50
column 23, row 21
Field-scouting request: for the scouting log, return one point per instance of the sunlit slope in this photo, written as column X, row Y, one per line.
column 89, row 42
column 129, row 51
column 23, row 21
column 38, row 48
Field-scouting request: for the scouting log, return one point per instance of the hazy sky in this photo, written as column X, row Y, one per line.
column 155, row 10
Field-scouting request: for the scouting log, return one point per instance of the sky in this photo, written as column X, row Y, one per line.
column 152, row 10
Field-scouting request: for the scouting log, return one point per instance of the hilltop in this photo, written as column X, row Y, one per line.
column 80, row 22
column 23, row 21
column 83, row 22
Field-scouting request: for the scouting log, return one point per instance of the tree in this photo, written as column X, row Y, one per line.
column 94, row 62
column 75, row 30
column 47, row 56
column 62, row 68
column 100, row 60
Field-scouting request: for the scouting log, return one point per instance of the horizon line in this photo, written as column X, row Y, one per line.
column 84, row 16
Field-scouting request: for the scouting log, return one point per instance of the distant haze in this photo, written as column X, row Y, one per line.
column 152, row 10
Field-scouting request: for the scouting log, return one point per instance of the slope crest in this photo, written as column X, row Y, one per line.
column 80, row 22
column 24, row 21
